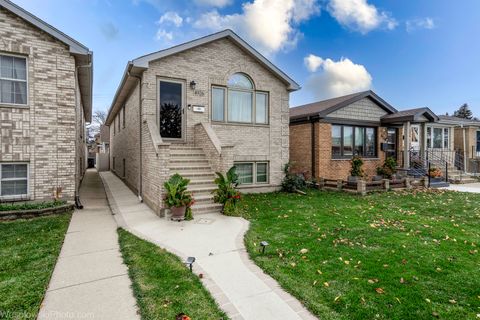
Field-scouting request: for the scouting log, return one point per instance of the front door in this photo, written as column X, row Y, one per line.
column 478, row 144
column 415, row 137
column 171, row 102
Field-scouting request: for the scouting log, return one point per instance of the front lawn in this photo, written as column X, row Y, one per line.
column 405, row 255
column 28, row 253
column 162, row 284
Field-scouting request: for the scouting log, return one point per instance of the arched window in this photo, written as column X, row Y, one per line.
column 239, row 102
column 240, row 81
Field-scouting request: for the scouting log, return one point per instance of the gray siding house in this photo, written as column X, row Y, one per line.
column 45, row 100
column 196, row 108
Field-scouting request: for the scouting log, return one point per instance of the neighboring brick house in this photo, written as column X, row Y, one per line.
column 45, row 100
column 325, row 135
column 466, row 140
column 197, row 108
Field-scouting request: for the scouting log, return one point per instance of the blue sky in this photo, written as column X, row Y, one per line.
column 412, row 53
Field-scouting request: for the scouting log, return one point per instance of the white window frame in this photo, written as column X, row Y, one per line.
column 18, row 80
column 432, row 143
column 16, row 196
column 253, row 91
column 254, row 173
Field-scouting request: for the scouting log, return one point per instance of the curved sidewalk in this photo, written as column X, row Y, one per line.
column 90, row 280
column 237, row 284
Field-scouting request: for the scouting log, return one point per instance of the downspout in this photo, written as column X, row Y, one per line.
column 464, row 148
column 313, row 150
column 140, row 121
column 78, row 203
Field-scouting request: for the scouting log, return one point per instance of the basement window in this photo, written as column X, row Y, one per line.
column 252, row 172
column 13, row 179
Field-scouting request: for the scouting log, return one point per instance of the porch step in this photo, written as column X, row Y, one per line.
column 206, row 208
column 192, row 163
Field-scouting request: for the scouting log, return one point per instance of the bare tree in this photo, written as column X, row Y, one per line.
column 98, row 119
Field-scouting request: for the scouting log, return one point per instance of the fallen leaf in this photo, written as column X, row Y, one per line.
column 402, row 280
column 380, row 290
column 303, row 251
column 336, row 299
column 452, row 301
column 326, row 284
column 428, row 300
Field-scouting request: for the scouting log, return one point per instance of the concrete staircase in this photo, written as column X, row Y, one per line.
column 459, row 177
column 192, row 163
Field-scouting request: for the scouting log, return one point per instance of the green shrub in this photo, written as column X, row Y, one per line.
column 388, row 169
column 226, row 193
column 292, row 182
column 357, row 167
column 31, row 205
column 177, row 193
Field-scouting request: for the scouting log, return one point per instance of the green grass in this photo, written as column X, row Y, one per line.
column 162, row 284
column 31, row 205
column 28, row 253
column 384, row 256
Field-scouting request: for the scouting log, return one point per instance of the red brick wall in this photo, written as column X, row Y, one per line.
column 325, row 166
column 301, row 148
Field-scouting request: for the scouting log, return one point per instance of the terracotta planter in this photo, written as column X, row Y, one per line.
column 178, row 213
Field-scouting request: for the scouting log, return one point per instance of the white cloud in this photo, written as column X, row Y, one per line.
column 171, row 17
column 421, row 23
column 270, row 25
column 360, row 16
column 213, row 3
column 313, row 62
column 164, row 35
column 336, row 78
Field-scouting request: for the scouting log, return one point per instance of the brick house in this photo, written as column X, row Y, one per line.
column 466, row 140
column 325, row 135
column 45, row 100
column 197, row 108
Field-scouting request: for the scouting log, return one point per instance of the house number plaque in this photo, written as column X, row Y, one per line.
column 198, row 109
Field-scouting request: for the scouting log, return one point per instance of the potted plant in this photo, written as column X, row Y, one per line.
column 388, row 169
column 356, row 171
column 435, row 174
column 226, row 193
column 177, row 198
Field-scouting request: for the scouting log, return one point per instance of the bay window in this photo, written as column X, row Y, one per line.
column 252, row 172
column 13, row 179
column 348, row 141
column 239, row 102
column 13, row 80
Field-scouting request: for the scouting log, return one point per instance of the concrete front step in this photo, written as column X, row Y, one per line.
column 462, row 180
column 206, row 208
column 201, row 181
column 188, row 162
column 202, row 188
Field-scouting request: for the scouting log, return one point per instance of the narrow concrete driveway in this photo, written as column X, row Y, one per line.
column 469, row 187
column 216, row 241
column 90, row 280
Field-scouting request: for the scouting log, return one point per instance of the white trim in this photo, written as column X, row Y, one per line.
column 19, row 196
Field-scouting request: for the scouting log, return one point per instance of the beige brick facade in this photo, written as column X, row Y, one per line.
column 48, row 132
column 209, row 64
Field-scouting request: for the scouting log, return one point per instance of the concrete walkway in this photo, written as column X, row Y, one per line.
column 469, row 187
column 90, row 280
column 216, row 241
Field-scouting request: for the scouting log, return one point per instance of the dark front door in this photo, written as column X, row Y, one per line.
column 171, row 109
column 478, row 144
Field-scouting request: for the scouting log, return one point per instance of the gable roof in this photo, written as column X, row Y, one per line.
column 459, row 121
column 412, row 115
column 143, row 61
column 83, row 56
column 322, row 108
column 135, row 67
